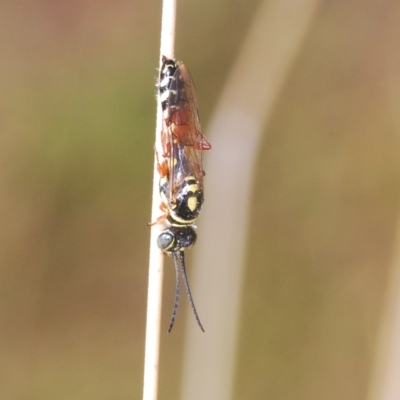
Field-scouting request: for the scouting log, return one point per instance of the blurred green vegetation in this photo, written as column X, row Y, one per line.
column 77, row 103
column 77, row 83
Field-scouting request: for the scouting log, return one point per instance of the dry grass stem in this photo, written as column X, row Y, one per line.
column 154, row 295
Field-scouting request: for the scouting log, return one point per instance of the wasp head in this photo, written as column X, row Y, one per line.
column 176, row 238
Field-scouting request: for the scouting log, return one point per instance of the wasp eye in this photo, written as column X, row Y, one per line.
column 165, row 240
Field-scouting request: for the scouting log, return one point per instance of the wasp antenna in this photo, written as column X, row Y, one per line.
column 181, row 256
column 177, row 293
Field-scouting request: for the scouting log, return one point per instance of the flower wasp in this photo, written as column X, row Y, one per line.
column 181, row 170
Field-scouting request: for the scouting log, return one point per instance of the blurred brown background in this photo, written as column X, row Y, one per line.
column 77, row 103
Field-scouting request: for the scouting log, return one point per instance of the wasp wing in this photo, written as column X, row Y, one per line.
column 186, row 142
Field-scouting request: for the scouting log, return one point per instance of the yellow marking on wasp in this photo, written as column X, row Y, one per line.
column 180, row 221
column 192, row 203
column 194, row 188
column 193, row 184
column 172, row 162
column 169, row 246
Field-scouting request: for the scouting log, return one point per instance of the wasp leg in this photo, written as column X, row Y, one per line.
column 162, row 166
column 165, row 140
column 161, row 218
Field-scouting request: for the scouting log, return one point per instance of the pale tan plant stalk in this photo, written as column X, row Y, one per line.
column 385, row 379
column 154, row 295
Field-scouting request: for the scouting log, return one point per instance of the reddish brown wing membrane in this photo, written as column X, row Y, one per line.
column 184, row 141
column 185, row 110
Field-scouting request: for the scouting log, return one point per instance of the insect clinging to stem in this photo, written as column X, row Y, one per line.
column 181, row 170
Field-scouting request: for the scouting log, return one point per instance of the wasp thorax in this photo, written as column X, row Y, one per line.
column 185, row 205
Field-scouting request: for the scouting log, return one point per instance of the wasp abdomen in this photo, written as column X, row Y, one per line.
column 166, row 77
